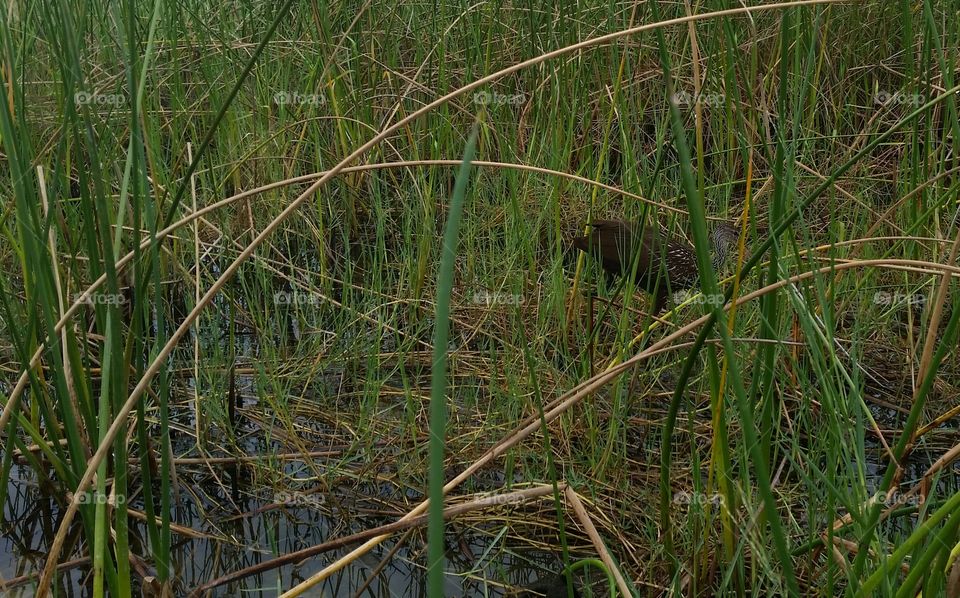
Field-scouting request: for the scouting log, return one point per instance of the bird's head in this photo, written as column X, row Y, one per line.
column 724, row 239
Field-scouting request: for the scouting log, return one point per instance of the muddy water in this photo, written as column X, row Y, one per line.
column 31, row 520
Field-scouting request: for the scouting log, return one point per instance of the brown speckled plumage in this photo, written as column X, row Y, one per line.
column 664, row 264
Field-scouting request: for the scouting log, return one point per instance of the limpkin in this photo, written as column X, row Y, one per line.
column 664, row 265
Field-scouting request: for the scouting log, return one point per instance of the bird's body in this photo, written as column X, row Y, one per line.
column 663, row 264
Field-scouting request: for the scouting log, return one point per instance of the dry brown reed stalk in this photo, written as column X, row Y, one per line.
column 509, row 498
column 154, row 367
column 581, row 512
column 77, row 305
column 560, row 405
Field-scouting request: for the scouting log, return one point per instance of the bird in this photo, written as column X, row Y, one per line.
column 664, row 264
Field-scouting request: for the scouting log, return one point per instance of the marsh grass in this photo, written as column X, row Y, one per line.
column 741, row 458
